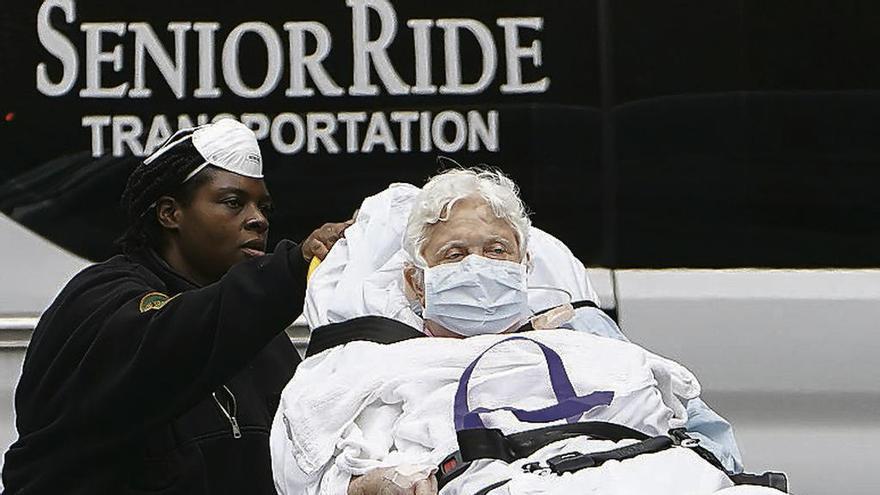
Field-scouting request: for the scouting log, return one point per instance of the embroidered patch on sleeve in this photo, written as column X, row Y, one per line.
column 154, row 300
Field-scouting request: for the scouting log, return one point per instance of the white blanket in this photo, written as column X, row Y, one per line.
column 362, row 274
column 364, row 405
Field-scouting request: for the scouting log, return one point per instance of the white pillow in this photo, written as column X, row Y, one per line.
column 363, row 273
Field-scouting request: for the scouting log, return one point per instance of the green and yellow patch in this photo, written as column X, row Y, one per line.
column 154, row 300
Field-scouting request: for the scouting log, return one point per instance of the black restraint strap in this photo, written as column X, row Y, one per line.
column 490, row 443
column 569, row 462
column 586, row 303
column 573, row 462
column 681, row 437
column 379, row 329
column 770, row 479
column 577, row 304
column 369, row 328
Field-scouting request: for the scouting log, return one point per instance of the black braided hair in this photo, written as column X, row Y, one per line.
column 163, row 176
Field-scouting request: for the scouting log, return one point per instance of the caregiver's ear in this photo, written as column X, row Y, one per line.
column 414, row 282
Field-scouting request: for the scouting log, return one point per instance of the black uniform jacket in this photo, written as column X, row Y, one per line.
column 126, row 373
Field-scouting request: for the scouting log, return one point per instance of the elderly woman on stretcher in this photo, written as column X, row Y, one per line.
column 533, row 390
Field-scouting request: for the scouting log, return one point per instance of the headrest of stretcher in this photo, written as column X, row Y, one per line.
column 362, row 274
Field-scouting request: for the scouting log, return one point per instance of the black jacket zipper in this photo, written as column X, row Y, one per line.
column 231, row 412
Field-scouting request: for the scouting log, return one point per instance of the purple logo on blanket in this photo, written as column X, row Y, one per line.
column 569, row 405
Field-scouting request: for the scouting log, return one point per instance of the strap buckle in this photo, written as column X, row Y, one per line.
column 570, row 462
column 535, row 468
column 681, row 438
column 450, row 468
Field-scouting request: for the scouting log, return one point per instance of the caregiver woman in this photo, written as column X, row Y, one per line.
column 159, row 370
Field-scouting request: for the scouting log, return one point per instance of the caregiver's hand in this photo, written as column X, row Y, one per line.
column 394, row 481
column 320, row 241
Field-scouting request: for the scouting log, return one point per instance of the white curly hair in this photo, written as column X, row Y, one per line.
column 442, row 191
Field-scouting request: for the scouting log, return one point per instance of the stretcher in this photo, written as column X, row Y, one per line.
column 361, row 279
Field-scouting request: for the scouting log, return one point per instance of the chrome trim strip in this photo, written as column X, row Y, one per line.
column 15, row 332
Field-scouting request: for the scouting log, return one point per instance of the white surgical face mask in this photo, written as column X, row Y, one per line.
column 477, row 295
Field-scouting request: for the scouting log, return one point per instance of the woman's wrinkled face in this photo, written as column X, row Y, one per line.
column 471, row 228
column 226, row 221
